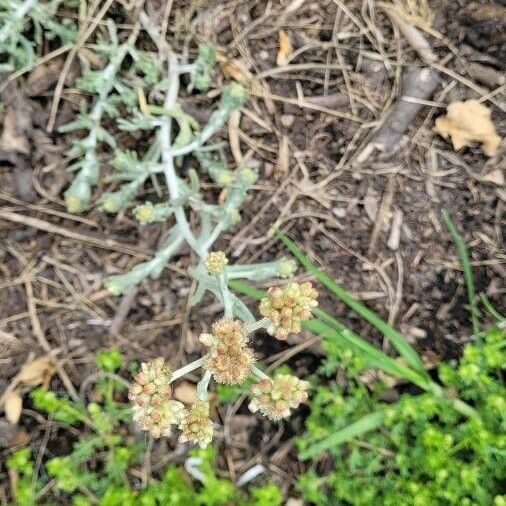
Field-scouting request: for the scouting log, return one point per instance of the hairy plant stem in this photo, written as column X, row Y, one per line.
column 203, row 385
column 225, row 293
column 179, row 373
column 257, row 372
column 164, row 139
column 260, row 324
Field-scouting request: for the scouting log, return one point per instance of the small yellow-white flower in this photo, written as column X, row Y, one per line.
column 275, row 398
column 73, row 204
column 145, row 213
column 215, row 262
column 286, row 307
column 196, row 427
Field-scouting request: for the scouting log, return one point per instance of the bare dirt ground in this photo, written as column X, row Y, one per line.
column 369, row 218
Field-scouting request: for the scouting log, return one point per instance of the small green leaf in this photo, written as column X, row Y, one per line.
column 109, row 360
column 366, row 424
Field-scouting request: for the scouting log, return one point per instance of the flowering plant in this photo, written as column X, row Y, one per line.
column 229, row 358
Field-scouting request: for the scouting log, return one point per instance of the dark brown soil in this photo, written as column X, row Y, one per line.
column 339, row 208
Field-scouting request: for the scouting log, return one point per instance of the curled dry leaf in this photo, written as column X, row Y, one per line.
column 467, row 122
column 36, row 372
column 13, row 404
column 285, row 49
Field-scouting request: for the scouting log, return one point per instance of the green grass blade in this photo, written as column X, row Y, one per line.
column 396, row 338
column 330, row 328
column 466, row 267
column 375, row 357
column 366, row 424
column 491, row 309
column 246, row 289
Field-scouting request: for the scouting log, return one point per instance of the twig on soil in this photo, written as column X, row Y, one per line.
column 47, row 210
column 122, row 312
column 382, row 214
column 44, row 343
column 414, row 37
column 395, row 230
column 418, row 84
column 109, row 244
column 307, row 104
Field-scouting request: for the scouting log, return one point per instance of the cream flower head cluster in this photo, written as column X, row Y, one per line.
column 156, row 412
column 275, row 398
column 229, row 358
column 286, row 307
column 153, row 408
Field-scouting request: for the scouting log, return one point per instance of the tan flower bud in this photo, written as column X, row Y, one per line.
column 287, row 268
column 197, row 427
column 152, row 381
column 286, row 307
column 276, row 397
column 215, row 262
column 230, row 332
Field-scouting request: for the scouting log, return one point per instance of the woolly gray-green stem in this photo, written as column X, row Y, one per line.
column 257, row 372
column 188, row 368
column 164, row 140
column 260, row 324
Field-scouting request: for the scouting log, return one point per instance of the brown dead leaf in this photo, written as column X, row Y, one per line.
column 285, row 49
column 36, row 372
column 12, row 138
column 43, row 77
column 234, row 69
column 467, row 122
column 13, row 404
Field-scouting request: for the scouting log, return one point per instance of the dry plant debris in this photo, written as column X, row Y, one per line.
column 345, row 55
column 36, row 372
column 467, row 122
column 285, row 49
